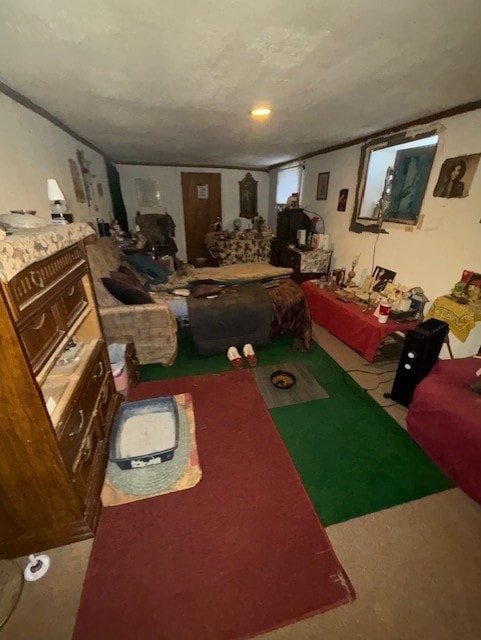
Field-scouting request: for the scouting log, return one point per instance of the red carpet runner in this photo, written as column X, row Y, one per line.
column 241, row 553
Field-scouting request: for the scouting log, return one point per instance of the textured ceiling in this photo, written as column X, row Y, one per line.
column 172, row 82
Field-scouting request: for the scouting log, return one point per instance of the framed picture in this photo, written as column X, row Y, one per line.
column 322, row 186
column 456, row 176
column 473, row 288
column 248, row 197
column 381, row 277
column 77, row 181
column 341, row 203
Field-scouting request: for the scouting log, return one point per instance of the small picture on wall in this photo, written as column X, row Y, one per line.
column 381, row 277
column 322, row 186
column 341, row 203
column 456, row 176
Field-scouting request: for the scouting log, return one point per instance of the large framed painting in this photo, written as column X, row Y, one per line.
column 411, row 172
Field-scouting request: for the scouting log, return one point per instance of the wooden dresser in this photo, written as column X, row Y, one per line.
column 55, row 416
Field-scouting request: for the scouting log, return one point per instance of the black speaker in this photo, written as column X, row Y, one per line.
column 419, row 355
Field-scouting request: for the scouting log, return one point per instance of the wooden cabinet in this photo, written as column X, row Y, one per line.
column 55, row 415
column 285, row 255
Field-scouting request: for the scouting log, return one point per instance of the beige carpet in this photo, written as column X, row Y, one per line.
column 416, row 569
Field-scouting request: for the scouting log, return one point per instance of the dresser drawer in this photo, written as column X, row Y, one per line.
column 35, row 281
column 73, row 302
column 105, row 405
column 72, row 429
column 40, row 337
column 84, row 466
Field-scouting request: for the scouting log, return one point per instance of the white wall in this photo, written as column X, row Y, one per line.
column 432, row 255
column 169, row 183
column 32, row 150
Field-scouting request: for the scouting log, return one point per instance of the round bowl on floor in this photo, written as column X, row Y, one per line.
column 283, row 379
column 200, row 262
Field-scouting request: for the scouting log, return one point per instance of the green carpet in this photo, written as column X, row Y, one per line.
column 353, row 458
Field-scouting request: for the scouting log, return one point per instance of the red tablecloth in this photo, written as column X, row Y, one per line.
column 346, row 321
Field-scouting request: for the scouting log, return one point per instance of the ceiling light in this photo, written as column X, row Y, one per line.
column 264, row 111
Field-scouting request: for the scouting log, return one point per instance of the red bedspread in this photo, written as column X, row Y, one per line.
column 445, row 420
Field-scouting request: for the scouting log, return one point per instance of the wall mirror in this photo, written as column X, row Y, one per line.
column 392, row 179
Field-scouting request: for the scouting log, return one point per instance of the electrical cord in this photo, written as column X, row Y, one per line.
column 364, row 388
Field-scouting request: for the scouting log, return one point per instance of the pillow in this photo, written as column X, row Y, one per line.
column 126, row 278
column 125, row 293
column 23, row 220
column 148, row 267
column 127, row 268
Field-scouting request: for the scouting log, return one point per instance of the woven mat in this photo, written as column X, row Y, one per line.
column 306, row 387
column 182, row 472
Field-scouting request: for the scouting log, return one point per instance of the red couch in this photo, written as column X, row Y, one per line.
column 445, row 420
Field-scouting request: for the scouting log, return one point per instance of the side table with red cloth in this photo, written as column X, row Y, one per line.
column 346, row 321
column 444, row 418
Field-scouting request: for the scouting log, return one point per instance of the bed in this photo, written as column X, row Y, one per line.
column 256, row 302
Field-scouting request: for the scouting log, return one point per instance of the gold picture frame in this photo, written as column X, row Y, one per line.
column 248, row 197
column 322, row 185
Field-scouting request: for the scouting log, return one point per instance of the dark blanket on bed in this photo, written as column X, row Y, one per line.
column 238, row 316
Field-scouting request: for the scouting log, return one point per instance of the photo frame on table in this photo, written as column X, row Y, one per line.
column 322, row 185
column 473, row 288
column 381, row 277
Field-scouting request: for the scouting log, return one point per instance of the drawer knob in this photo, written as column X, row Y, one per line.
column 39, row 324
column 78, row 429
column 100, row 372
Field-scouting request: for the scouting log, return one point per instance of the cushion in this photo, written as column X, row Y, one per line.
column 144, row 280
column 149, row 267
column 125, row 293
column 127, row 278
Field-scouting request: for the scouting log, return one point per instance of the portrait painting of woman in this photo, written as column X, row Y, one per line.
column 456, row 176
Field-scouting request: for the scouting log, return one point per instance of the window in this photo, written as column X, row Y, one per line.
column 288, row 182
column 394, row 173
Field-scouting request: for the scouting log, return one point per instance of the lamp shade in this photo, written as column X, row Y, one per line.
column 54, row 191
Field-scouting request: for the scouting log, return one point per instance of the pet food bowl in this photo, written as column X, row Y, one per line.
column 200, row 262
column 283, row 379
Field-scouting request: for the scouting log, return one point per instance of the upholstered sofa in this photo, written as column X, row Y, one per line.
column 233, row 248
column 444, row 418
column 151, row 327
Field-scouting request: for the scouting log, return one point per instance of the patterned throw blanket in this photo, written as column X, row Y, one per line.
column 243, row 272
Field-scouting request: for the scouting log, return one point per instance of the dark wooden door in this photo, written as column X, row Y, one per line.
column 202, row 208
